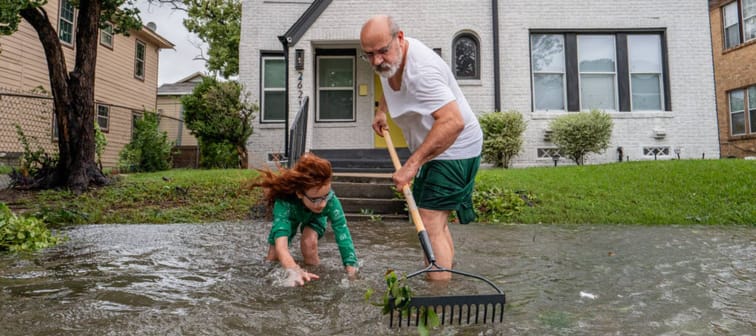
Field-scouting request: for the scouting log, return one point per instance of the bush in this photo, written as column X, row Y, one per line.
column 502, row 136
column 218, row 155
column 34, row 164
column 100, row 143
column 23, row 234
column 578, row 134
column 149, row 149
column 496, row 205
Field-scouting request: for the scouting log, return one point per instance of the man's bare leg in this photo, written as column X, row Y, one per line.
column 436, row 224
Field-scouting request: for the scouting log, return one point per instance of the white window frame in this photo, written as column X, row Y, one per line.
column 660, row 73
column 613, row 74
column 107, row 36
column 745, row 20
column 336, row 88
column 140, row 63
column 751, row 107
column 729, row 107
column 105, row 117
column 533, row 74
column 264, row 60
column 62, row 20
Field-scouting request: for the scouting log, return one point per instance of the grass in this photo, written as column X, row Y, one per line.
column 175, row 196
column 5, row 169
column 650, row 192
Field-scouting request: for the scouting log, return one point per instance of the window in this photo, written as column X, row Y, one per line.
column 66, row 22
column 749, row 19
column 103, row 117
column 549, row 153
column 139, row 57
column 335, row 88
column 752, row 107
column 610, row 71
column 547, row 54
column 273, row 89
column 644, row 53
column 737, row 112
column 742, row 103
column 597, row 67
column 106, row 35
column 739, row 28
column 656, row 151
column 135, row 117
column 465, row 53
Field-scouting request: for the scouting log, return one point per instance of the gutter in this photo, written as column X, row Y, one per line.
column 497, row 67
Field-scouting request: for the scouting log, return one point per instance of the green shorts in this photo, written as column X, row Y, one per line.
column 447, row 185
column 318, row 225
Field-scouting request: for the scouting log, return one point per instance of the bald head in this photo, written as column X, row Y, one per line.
column 378, row 27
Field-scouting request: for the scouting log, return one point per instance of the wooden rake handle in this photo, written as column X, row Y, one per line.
column 414, row 212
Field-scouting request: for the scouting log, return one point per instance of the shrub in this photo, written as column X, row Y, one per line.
column 34, row 164
column 100, row 143
column 23, row 234
column 218, row 154
column 496, row 205
column 502, row 136
column 578, row 134
column 149, row 149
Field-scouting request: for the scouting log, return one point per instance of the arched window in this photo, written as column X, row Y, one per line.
column 466, row 56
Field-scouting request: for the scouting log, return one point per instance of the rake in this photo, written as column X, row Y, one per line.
column 459, row 309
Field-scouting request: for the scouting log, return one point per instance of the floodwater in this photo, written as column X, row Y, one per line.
column 210, row 279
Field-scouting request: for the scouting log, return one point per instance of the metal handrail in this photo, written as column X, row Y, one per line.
column 298, row 133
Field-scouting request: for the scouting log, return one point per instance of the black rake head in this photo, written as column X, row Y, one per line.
column 461, row 309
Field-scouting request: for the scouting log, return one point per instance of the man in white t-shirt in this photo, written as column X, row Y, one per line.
column 443, row 134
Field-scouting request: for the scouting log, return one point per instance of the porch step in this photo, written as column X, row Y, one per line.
column 368, row 197
column 368, row 160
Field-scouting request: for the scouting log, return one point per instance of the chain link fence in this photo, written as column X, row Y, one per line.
column 33, row 113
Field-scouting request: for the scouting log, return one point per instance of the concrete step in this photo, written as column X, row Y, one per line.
column 352, row 217
column 373, row 205
column 370, row 178
column 363, row 190
column 366, row 196
column 365, row 160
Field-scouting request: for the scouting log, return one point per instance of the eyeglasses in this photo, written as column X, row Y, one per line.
column 318, row 200
column 369, row 56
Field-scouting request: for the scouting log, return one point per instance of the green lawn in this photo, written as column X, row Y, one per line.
column 174, row 196
column 649, row 192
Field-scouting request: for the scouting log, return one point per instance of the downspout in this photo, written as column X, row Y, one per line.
column 285, row 40
column 497, row 85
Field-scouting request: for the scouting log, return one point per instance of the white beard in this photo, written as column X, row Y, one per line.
column 388, row 70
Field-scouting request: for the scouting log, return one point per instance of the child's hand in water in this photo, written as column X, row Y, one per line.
column 298, row 277
column 351, row 272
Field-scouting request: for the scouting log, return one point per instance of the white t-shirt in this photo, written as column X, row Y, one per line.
column 427, row 85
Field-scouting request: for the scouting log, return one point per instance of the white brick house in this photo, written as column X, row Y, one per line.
column 646, row 62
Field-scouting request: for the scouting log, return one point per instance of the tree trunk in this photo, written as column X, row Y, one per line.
column 243, row 156
column 73, row 96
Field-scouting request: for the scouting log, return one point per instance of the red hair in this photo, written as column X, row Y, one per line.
column 309, row 172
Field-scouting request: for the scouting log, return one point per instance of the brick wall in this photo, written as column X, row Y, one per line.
column 734, row 68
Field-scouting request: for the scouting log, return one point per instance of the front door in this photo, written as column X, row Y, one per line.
column 396, row 134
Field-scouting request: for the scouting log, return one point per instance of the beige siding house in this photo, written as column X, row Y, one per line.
column 172, row 112
column 125, row 82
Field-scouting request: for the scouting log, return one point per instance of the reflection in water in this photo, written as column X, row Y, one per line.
column 210, row 279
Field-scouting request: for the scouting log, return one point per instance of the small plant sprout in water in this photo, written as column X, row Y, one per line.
column 372, row 217
column 401, row 294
